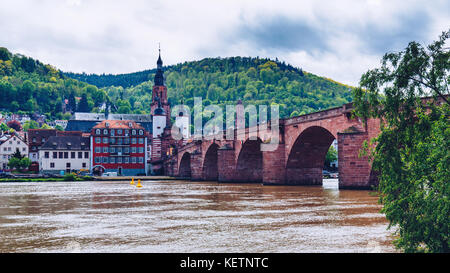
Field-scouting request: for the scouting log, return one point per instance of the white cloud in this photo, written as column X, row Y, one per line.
column 104, row 36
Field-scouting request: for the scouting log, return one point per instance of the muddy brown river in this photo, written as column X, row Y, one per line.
column 184, row 216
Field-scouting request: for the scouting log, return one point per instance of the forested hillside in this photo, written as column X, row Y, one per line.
column 29, row 86
column 223, row 81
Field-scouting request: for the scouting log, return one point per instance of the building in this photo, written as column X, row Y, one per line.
column 84, row 121
column 9, row 144
column 64, row 154
column 62, row 123
column 38, row 137
column 119, row 146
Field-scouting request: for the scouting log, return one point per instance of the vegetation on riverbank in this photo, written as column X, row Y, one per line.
column 412, row 153
column 48, row 179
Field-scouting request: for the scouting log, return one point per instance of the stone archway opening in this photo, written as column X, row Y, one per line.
column 249, row 166
column 306, row 161
column 210, row 163
column 185, row 166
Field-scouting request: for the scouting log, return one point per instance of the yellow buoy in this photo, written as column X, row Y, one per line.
column 132, row 181
column 139, row 185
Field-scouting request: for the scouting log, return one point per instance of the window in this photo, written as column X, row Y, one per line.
column 133, row 140
column 105, row 160
column 141, row 160
column 112, row 132
column 86, row 154
column 105, row 140
column 119, row 150
column 112, row 140
column 98, row 150
column 67, row 165
column 127, row 141
column 66, row 154
column 112, row 160
column 97, row 160
column 52, row 165
column 60, row 155
column 119, row 160
column 43, row 139
column 127, row 132
column 23, row 149
column 133, row 150
column 55, row 155
column 98, row 140
column 127, row 160
column 141, row 133
column 141, row 140
column 141, row 150
column 119, row 141
column 105, row 131
column 119, row 132
column 72, row 154
column 84, row 165
column 105, row 149
column 47, row 155
column 80, row 154
column 34, row 140
column 127, row 150
column 112, row 150
column 97, row 132
column 133, row 132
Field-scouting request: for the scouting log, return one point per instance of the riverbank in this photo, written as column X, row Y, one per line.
column 86, row 178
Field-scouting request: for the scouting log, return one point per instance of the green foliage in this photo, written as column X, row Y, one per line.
column 4, row 127
column 331, row 156
column 412, row 152
column 30, row 86
column 30, row 124
column 222, row 81
column 70, row 177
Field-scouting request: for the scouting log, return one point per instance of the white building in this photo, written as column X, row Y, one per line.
column 65, row 154
column 62, row 123
column 8, row 146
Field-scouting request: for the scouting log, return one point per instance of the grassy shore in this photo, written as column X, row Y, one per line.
column 49, row 179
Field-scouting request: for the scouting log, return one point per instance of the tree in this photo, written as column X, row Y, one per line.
column 14, row 124
column 83, row 105
column 331, row 156
column 30, row 124
column 412, row 152
column 4, row 127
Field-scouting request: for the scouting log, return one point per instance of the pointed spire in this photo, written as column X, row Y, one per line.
column 159, row 62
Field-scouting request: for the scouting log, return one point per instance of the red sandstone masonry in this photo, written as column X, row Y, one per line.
column 297, row 160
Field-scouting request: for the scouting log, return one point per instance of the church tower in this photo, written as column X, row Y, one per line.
column 159, row 93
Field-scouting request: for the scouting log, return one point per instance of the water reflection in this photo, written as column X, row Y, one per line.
column 182, row 216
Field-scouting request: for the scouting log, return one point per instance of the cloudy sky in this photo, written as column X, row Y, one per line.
column 337, row 39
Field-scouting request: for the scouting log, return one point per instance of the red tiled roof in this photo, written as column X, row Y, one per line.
column 118, row 124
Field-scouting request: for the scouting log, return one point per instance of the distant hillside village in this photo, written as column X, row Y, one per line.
column 115, row 144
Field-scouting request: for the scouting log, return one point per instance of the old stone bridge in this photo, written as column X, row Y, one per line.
column 297, row 160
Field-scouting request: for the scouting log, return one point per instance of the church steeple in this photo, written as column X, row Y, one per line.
column 159, row 76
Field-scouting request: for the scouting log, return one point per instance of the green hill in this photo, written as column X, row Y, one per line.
column 29, row 86
column 223, row 81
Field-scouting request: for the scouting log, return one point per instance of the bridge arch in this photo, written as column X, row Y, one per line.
column 210, row 168
column 185, row 165
column 249, row 165
column 307, row 156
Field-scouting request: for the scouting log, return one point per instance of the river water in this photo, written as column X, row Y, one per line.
column 184, row 216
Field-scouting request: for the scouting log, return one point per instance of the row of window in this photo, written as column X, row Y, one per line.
column 8, row 149
column 119, row 141
column 119, row 150
column 68, row 165
column 119, row 160
column 64, row 155
column 119, row 132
